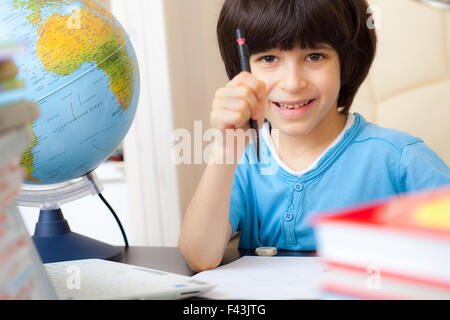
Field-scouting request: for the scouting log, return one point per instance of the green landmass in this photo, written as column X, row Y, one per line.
column 27, row 161
column 36, row 6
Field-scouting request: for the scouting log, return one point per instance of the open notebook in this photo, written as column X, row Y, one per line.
column 23, row 276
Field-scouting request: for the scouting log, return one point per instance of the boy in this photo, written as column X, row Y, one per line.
column 308, row 59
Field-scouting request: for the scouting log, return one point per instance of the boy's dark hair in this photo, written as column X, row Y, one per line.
column 285, row 24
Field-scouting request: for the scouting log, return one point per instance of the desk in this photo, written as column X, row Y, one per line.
column 170, row 259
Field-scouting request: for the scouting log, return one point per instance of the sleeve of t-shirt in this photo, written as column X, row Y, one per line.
column 237, row 202
column 421, row 168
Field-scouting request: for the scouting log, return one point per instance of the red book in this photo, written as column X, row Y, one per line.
column 406, row 238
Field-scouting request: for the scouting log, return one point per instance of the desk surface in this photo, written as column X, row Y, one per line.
column 170, row 259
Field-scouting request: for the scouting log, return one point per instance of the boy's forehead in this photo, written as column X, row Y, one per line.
column 323, row 46
column 316, row 46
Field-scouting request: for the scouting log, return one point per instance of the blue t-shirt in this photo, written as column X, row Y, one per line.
column 271, row 207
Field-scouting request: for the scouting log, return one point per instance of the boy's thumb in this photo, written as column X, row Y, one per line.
column 261, row 115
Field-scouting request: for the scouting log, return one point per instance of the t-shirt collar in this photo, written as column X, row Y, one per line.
column 265, row 132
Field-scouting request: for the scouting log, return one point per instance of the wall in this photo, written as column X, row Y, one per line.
column 408, row 87
column 151, row 175
column 196, row 72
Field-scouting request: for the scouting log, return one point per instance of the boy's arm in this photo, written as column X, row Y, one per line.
column 206, row 229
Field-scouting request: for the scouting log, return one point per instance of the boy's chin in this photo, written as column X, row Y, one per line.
column 296, row 130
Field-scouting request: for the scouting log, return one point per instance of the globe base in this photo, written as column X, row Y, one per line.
column 56, row 242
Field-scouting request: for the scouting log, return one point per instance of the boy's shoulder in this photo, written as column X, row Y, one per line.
column 371, row 132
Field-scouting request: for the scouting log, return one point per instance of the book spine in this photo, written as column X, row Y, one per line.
column 19, row 279
column 11, row 84
column 13, row 144
column 415, row 256
column 389, row 274
column 10, row 182
column 373, row 283
column 18, row 114
column 8, row 69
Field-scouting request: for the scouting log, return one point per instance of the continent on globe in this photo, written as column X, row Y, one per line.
column 27, row 160
column 35, row 6
column 83, row 72
column 62, row 50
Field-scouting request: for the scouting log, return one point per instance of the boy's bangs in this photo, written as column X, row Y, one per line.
column 269, row 24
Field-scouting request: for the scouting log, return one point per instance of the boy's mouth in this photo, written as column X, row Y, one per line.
column 293, row 105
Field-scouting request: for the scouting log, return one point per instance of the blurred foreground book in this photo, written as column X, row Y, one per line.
column 12, row 87
column 396, row 249
column 16, row 276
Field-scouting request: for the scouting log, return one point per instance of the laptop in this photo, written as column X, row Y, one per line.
column 24, row 276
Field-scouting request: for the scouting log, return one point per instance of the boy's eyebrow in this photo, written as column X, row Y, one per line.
column 321, row 47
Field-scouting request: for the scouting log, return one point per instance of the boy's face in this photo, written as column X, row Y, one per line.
column 296, row 77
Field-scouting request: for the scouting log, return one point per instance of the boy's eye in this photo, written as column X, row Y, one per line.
column 315, row 57
column 268, row 59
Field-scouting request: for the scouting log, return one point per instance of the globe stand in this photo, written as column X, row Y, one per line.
column 56, row 242
column 52, row 236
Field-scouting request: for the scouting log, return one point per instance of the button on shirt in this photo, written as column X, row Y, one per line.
column 272, row 205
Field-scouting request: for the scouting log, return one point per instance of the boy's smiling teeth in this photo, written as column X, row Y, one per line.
column 292, row 106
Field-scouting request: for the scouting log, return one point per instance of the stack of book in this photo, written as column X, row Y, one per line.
column 15, row 117
column 15, row 136
column 394, row 249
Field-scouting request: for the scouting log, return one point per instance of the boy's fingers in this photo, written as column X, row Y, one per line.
column 259, row 111
column 242, row 99
column 235, row 94
column 240, row 91
column 234, row 104
column 261, row 116
column 226, row 118
column 247, row 79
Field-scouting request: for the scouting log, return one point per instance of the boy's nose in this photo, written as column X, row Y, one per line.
column 293, row 82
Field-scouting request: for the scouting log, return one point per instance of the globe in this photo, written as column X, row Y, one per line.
column 82, row 71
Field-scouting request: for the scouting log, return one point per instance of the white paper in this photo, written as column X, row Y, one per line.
column 266, row 278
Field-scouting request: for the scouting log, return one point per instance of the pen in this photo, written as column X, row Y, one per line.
column 245, row 66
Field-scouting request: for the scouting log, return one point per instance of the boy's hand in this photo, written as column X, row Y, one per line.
column 244, row 97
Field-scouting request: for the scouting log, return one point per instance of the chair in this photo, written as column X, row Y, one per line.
column 408, row 87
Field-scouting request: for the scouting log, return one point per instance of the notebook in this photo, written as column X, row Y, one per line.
column 24, row 276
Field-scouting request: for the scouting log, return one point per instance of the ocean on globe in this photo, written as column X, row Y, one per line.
column 82, row 71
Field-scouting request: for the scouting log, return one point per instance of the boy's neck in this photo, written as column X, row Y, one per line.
column 299, row 152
